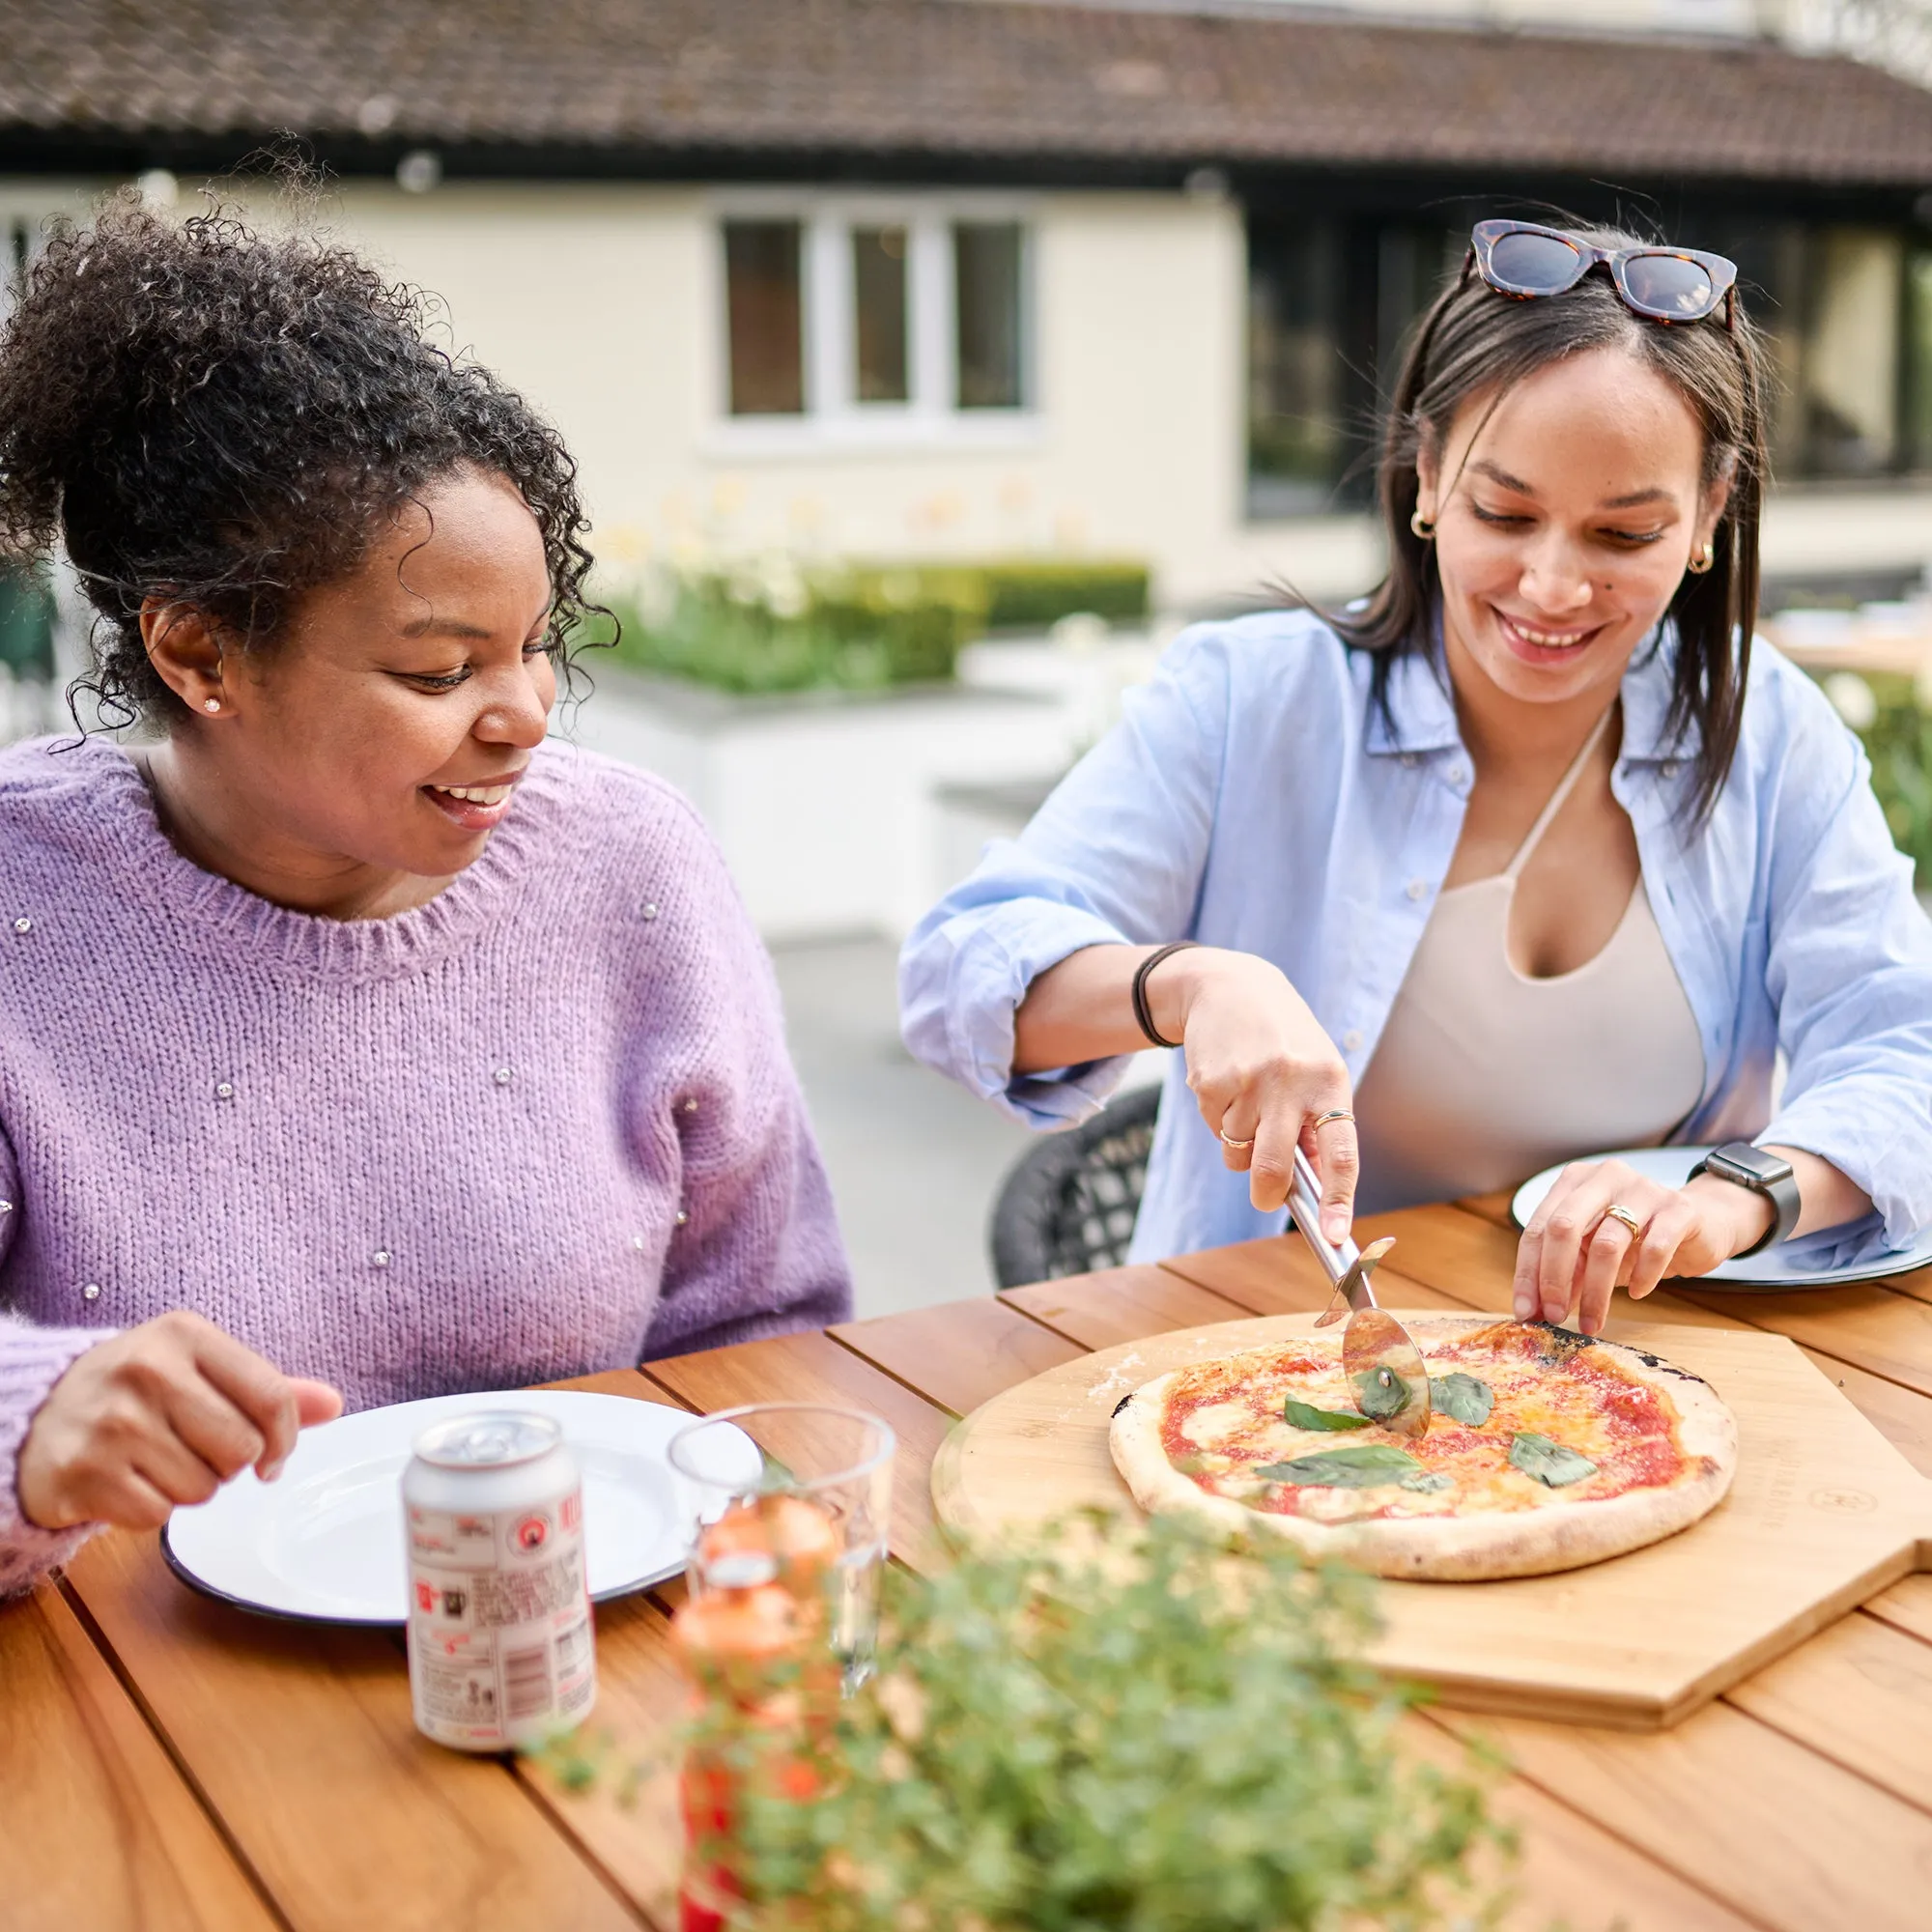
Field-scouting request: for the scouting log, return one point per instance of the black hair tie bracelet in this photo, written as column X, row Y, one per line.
column 1141, row 972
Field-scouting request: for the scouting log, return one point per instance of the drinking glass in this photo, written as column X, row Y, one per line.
column 799, row 1493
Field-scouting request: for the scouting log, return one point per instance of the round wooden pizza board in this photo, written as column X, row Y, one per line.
column 1824, row 1513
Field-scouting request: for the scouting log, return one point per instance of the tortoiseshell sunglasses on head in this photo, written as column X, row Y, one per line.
column 1520, row 260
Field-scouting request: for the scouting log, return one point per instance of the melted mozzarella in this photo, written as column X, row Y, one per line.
column 1216, row 1423
column 1252, row 1431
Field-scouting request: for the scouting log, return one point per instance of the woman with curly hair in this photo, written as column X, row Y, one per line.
column 361, row 1044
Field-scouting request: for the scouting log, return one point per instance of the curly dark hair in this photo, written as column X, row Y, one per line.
column 225, row 420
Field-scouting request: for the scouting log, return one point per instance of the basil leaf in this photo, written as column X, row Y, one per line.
column 1361, row 1465
column 1550, row 1463
column 1382, row 1394
column 1429, row 1481
column 1298, row 1416
column 1463, row 1399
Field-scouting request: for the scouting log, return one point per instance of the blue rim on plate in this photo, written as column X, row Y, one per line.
column 1789, row 1266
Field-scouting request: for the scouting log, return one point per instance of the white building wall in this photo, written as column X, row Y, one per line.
column 582, row 297
column 602, row 303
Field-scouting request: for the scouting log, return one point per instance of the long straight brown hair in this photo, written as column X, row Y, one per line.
column 1475, row 343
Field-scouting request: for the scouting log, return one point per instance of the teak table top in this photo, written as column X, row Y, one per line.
column 168, row 1762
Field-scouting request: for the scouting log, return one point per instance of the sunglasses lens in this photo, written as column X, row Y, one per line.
column 1668, row 285
column 1536, row 264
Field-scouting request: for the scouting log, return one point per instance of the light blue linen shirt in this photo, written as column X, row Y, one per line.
column 1253, row 796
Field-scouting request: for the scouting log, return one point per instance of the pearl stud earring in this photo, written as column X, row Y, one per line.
column 210, row 704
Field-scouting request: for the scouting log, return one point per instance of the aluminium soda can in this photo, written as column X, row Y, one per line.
column 501, row 1649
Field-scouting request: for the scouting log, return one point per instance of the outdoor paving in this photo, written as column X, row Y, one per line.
column 914, row 1161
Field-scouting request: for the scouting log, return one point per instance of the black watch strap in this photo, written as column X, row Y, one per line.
column 1766, row 1174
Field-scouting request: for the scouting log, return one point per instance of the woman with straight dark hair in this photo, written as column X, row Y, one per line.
column 1529, row 856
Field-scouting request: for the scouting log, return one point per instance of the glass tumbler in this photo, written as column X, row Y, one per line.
column 799, row 1493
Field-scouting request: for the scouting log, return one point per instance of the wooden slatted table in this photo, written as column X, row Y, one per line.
column 167, row 1762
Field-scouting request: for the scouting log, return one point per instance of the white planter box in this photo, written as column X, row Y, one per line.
column 1085, row 669
column 825, row 802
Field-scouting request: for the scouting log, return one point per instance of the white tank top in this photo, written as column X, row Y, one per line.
column 1484, row 1076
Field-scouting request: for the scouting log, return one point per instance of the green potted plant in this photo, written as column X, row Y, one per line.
column 1893, row 716
column 1122, row 1727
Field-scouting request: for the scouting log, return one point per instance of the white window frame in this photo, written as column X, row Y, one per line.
column 833, row 417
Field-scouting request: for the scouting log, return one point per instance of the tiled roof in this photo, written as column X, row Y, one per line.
column 949, row 78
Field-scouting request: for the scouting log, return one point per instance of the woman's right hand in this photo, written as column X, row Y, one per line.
column 1262, row 1071
column 156, row 1417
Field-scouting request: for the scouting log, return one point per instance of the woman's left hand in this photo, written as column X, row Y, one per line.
column 1574, row 1253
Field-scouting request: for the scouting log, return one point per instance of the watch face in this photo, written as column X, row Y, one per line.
column 1750, row 1163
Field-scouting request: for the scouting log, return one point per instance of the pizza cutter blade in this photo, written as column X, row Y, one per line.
column 1378, row 1354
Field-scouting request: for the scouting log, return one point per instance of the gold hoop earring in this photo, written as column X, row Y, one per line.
column 1421, row 525
column 1704, row 561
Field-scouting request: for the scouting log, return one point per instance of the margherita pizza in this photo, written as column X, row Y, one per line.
column 1545, row 1450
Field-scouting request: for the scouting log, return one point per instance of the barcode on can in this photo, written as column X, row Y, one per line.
column 526, row 1690
column 573, row 1649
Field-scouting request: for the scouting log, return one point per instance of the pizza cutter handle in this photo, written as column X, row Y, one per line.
column 1304, row 1205
column 1346, row 1264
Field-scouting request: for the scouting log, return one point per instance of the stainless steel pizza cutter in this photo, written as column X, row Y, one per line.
column 1378, row 1356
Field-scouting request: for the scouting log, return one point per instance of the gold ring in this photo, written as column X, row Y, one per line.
column 1617, row 1211
column 1333, row 1114
column 1238, row 1147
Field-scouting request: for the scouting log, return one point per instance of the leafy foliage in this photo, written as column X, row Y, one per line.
column 1550, row 1463
column 1382, row 1393
column 1899, row 743
column 1361, row 1465
column 773, row 625
column 1140, row 1730
column 1462, row 1398
column 1301, row 1415
column 1028, row 595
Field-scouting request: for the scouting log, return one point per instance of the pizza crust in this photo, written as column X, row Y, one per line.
column 1559, row 1534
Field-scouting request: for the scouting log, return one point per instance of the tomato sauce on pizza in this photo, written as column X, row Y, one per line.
column 1567, row 1448
column 1224, row 1421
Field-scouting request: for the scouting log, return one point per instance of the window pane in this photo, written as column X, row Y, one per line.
column 1850, row 360
column 761, row 272
column 987, row 279
column 879, row 308
column 1919, row 361
column 1296, row 367
column 26, row 623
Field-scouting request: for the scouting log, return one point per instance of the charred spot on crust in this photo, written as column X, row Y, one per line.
column 1669, row 1368
column 1556, row 1345
column 1124, row 1402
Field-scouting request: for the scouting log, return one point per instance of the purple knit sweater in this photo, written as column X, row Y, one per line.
column 542, row 1125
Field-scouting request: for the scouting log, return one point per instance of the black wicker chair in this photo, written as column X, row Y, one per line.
column 1069, row 1205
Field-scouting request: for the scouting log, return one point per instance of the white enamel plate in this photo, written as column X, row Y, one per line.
column 1786, row 1267
column 326, row 1539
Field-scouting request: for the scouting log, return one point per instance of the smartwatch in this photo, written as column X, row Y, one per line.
column 1764, row 1174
